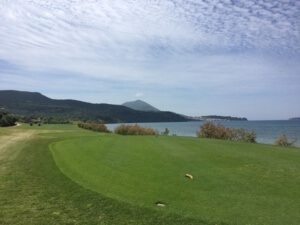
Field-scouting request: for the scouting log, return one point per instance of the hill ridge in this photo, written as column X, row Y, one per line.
column 36, row 104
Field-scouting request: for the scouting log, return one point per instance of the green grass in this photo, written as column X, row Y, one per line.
column 34, row 191
column 117, row 180
column 234, row 183
column 60, row 127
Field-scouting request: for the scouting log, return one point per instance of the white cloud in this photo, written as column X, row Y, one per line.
column 204, row 46
column 139, row 94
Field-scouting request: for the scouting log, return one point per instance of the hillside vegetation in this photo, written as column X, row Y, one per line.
column 32, row 104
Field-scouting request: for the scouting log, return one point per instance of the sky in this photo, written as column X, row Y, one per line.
column 194, row 57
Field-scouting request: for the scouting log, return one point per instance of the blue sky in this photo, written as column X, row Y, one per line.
column 195, row 57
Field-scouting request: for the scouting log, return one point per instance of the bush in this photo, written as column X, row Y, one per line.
column 98, row 127
column 7, row 120
column 165, row 132
column 134, row 130
column 209, row 130
column 245, row 136
column 283, row 141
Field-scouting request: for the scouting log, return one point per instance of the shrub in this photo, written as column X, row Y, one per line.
column 165, row 132
column 245, row 136
column 283, row 141
column 7, row 120
column 98, row 127
column 209, row 130
column 134, row 130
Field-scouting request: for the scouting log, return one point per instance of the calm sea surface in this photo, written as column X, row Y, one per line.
column 267, row 131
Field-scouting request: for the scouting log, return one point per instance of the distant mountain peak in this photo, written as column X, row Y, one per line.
column 140, row 105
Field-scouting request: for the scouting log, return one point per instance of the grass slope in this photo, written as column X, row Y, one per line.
column 234, row 183
column 34, row 191
column 121, row 177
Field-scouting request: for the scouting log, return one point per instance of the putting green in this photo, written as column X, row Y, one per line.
column 236, row 183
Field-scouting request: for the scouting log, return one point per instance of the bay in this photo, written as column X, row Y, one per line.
column 267, row 131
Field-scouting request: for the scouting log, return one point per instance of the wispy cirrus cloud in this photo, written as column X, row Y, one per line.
column 207, row 47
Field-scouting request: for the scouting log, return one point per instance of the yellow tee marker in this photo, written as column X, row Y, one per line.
column 189, row 176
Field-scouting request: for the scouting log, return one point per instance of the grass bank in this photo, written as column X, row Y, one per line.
column 234, row 183
column 34, row 191
column 92, row 178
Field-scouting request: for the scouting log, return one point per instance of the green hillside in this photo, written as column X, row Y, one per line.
column 36, row 104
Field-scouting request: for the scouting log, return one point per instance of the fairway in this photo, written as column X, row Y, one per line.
column 60, row 174
column 234, row 183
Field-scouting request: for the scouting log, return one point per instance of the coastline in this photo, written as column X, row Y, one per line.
column 267, row 131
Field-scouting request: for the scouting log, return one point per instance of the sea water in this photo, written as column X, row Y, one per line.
column 267, row 131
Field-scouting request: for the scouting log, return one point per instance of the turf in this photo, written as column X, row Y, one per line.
column 34, row 191
column 234, row 183
column 117, row 180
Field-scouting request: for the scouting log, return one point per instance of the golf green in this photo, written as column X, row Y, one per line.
column 233, row 183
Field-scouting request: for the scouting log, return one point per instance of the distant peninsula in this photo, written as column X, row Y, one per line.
column 218, row 118
column 295, row 118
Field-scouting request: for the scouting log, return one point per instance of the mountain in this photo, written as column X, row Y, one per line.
column 34, row 104
column 140, row 105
